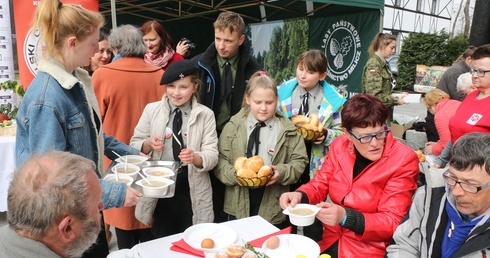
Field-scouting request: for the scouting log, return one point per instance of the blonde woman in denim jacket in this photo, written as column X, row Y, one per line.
column 59, row 110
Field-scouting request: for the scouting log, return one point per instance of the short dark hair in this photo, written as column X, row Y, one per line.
column 363, row 110
column 481, row 52
column 471, row 150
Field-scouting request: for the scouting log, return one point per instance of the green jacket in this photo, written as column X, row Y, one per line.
column 376, row 80
column 289, row 157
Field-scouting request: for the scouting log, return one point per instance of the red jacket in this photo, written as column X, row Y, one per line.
column 382, row 192
column 444, row 111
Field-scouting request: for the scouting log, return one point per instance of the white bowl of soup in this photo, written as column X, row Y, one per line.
column 126, row 169
column 302, row 214
column 132, row 159
column 158, row 171
column 158, row 187
column 120, row 178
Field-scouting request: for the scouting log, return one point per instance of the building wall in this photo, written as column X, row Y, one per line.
column 402, row 17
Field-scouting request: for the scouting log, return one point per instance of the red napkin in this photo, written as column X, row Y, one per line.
column 182, row 247
column 259, row 241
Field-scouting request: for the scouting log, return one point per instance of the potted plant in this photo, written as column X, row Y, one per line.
column 9, row 111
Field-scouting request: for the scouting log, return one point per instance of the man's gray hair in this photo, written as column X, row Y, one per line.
column 128, row 41
column 471, row 150
column 46, row 188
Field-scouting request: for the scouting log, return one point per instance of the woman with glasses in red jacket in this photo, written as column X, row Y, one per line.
column 369, row 179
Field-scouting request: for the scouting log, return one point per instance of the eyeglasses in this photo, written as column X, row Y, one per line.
column 465, row 186
column 479, row 72
column 369, row 137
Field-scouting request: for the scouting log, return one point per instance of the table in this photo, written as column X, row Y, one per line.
column 247, row 229
column 7, row 167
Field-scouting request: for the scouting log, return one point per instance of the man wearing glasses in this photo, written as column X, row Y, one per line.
column 454, row 220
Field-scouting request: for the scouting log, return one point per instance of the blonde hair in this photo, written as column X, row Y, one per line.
column 230, row 20
column 196, row 81
column 433, row 97
column 381, row 39
column 57, row 21
column 259, row 80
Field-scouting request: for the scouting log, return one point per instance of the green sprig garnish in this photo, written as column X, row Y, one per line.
column 257, row 253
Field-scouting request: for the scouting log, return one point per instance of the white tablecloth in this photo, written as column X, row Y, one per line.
column 7, row 167
column 247, row 230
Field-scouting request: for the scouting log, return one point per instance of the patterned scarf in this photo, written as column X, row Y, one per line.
column 161, row 59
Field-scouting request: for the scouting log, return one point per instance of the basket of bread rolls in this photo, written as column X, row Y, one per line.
column 251, row 172
column 308, row 126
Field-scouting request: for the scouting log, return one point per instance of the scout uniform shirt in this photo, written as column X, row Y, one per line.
column 314, row 102
column 268, row 137
column 167, row 153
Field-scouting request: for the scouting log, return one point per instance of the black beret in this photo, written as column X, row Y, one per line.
column 178, row 70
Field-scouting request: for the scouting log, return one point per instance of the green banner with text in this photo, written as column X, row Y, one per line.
column 345, row 40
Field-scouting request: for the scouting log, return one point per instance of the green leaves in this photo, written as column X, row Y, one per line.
column 9, row 109
column 427, row 49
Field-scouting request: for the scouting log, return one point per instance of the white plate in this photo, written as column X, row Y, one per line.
column 291, row 245
column 222, row 236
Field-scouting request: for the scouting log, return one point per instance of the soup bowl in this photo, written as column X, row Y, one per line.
column 158, row 172
column 302, row 214
column 126, row 169
column 121, row 178
column 132, row 159
column 158, row 187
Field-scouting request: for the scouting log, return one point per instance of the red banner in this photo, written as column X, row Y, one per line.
column 29, row 45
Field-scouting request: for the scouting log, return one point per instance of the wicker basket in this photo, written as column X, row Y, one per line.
column 255, row 182
column 8, row 130
column 307, row 134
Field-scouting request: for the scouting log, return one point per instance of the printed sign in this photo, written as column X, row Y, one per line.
column 345, row 40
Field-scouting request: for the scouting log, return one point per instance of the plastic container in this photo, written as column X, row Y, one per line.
column 158, row 172
column 132, row 159
column 122, row 178
column 158, row 189
column 302, row 214
column 126, row 169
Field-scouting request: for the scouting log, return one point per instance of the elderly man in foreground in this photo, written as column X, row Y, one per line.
column 54, row 203
column 451, row 221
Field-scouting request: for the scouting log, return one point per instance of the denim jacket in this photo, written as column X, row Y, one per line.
column 58, row 112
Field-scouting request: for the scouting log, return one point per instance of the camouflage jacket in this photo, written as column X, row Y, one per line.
column 376, row 80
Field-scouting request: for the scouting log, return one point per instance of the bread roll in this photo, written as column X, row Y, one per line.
column 310, row 127
column 300, row 120
column 239, row 163
column 321, row 128
column 235, row 251
column 264, row 171
column 314, row 120
column 254, row 163
column 246, row 173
